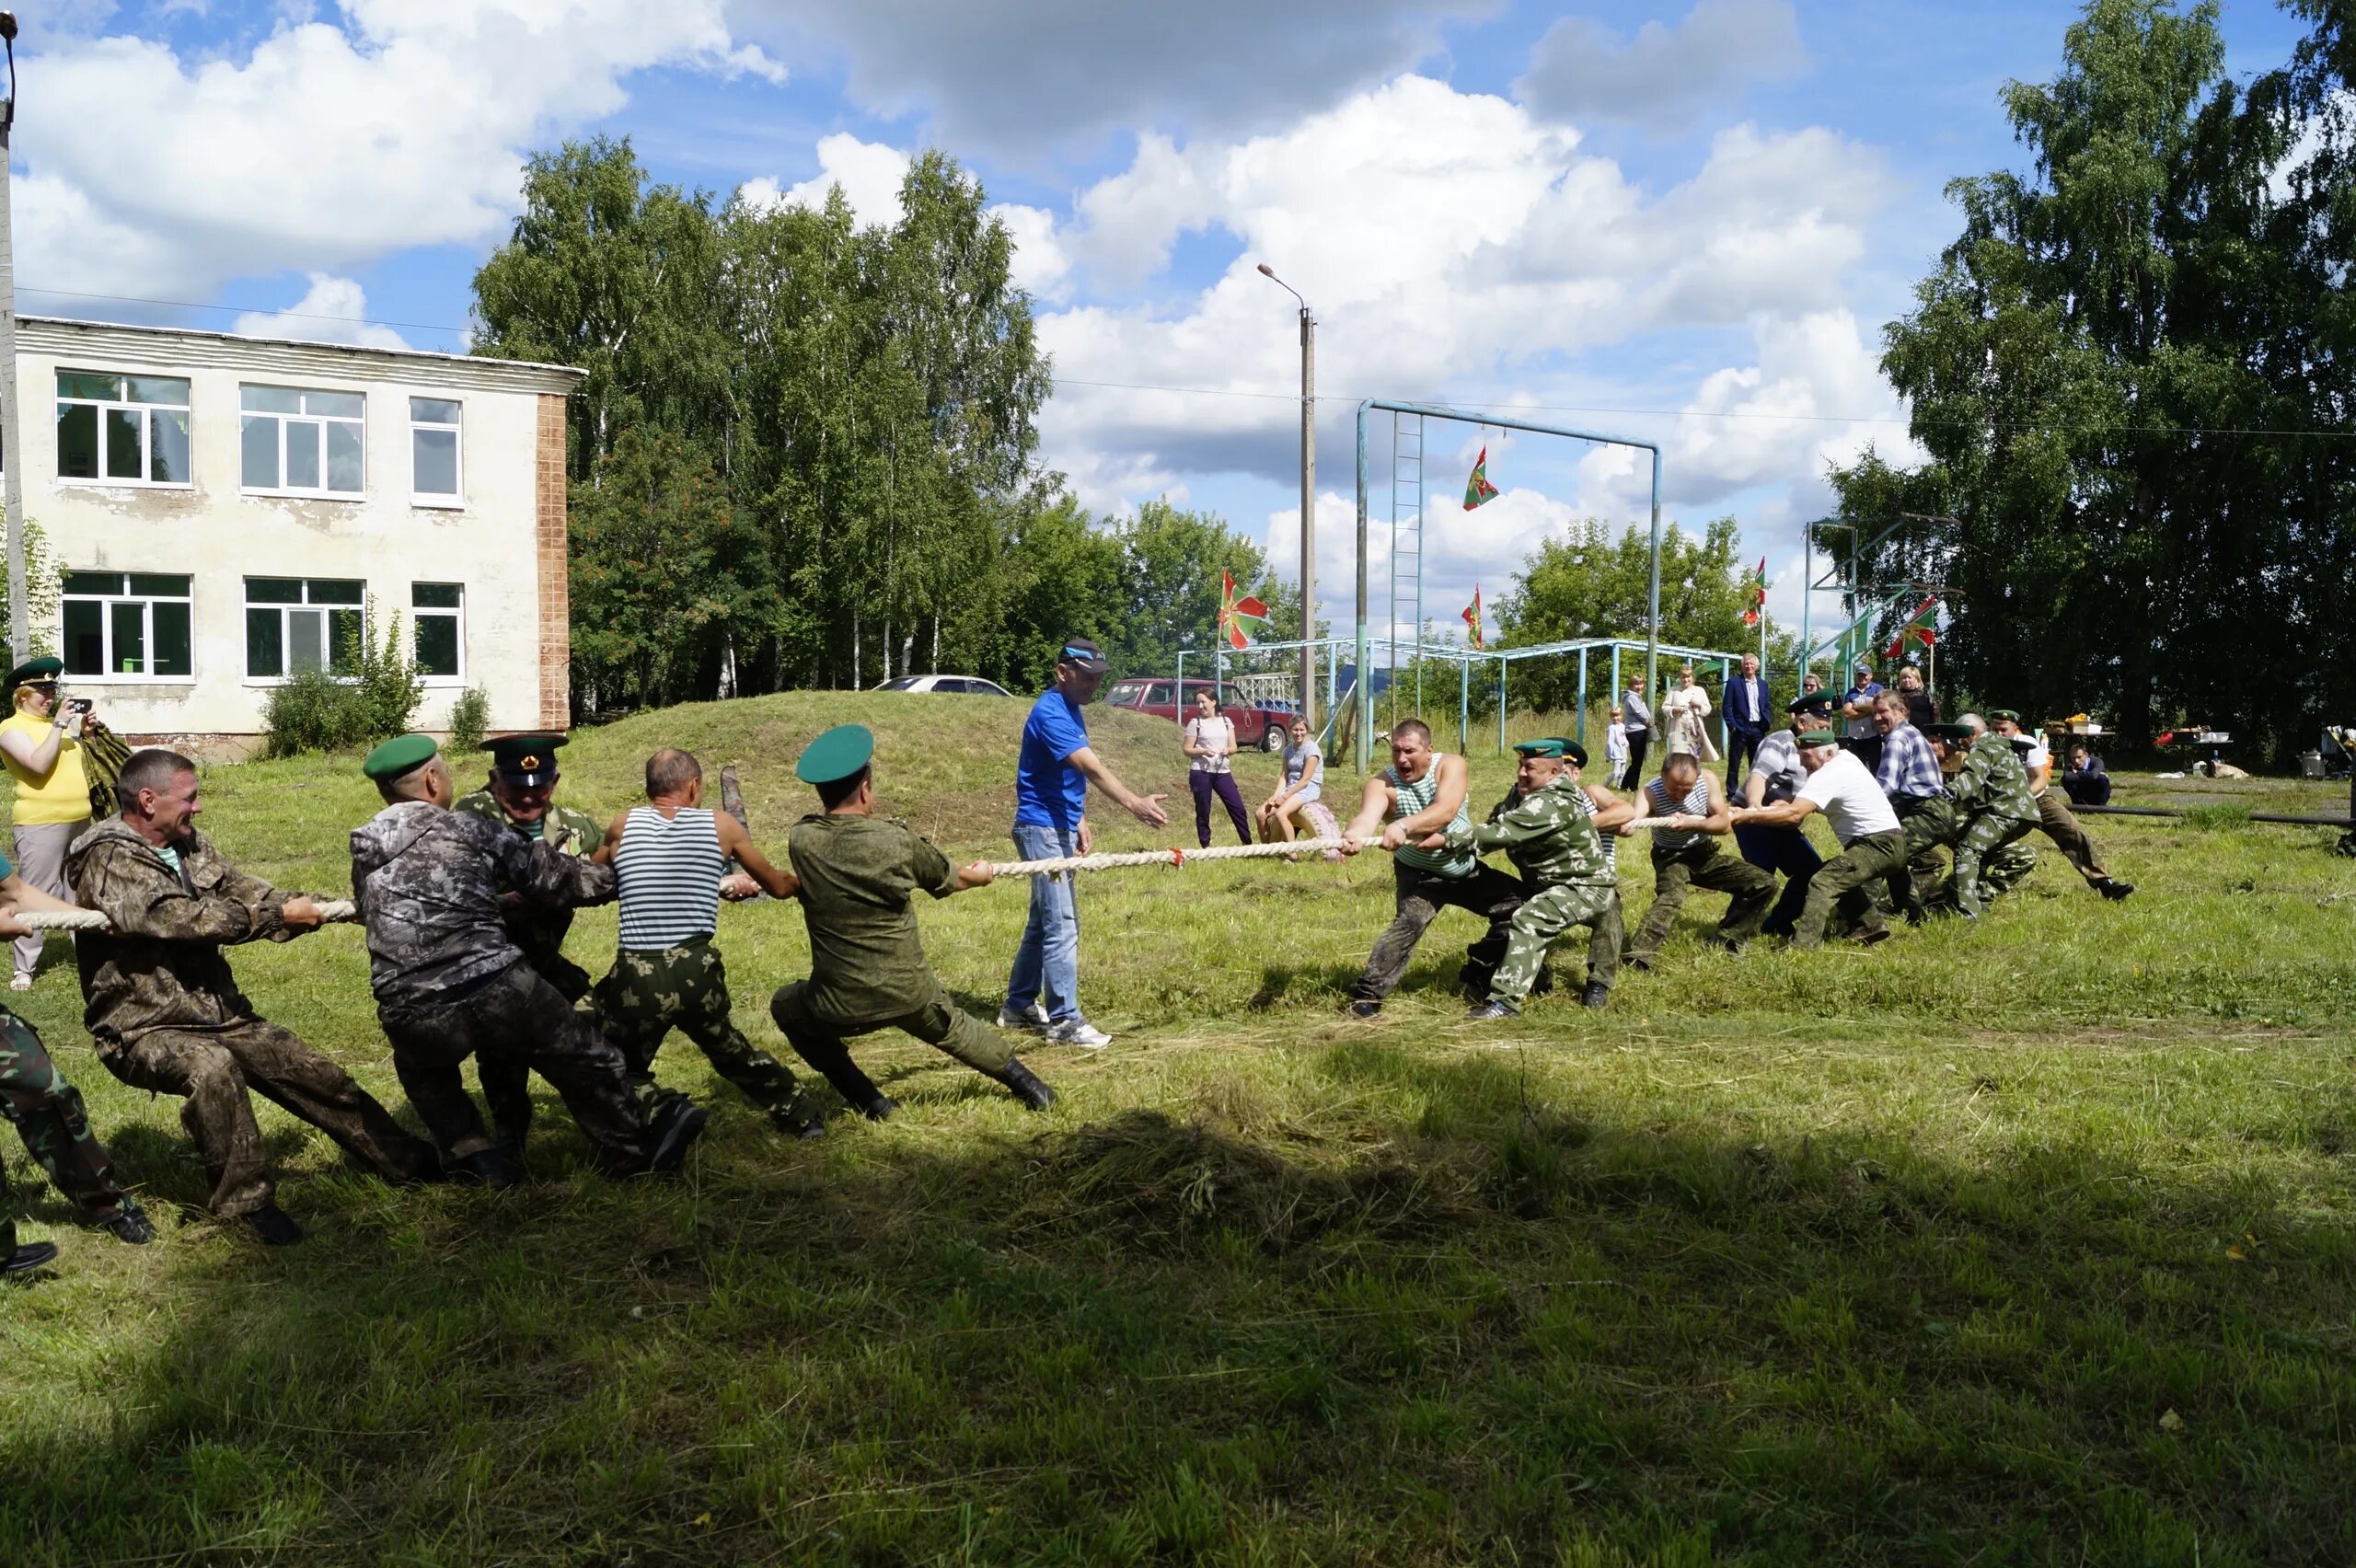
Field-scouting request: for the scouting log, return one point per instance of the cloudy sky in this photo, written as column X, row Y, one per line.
column 1684, row 223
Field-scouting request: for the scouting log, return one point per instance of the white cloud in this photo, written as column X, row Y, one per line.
column 869, row 173
column 333, row 311
column 1665, row 75
column 326, row 146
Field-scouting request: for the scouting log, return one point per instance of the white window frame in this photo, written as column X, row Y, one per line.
column 417, row 614
column 325, row 609
column 147, row 430
column 453, row 502
column 105, row 626
column 322, row 420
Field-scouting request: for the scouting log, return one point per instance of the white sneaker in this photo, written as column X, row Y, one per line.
column 1079, row 1032
column 20, row 983
column 1034, row 1018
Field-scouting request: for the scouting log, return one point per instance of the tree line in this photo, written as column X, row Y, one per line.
column 2132, row 373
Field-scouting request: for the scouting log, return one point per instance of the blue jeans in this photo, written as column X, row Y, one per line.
column 1046, row 966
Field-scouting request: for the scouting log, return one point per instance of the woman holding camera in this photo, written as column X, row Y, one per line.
column 38, row 744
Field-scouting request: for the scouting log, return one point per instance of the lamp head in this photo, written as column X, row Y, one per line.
column 8, row 26
column 1265, row 271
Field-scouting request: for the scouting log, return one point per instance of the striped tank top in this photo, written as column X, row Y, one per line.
column 1697, row 803
column 669, row 870
column 1413, row 798
column 1610, row 841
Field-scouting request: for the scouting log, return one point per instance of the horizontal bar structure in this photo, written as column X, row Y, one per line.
column 2279, row 818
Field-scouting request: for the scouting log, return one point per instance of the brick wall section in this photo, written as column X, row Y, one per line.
column 555, row 605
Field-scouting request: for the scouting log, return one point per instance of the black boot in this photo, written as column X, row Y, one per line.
column 1598, row 995
column 131, row 1224
column 1026, row 1086
column 677, row 1127
column 18, row 1258
column 485, row 1167
column 274, row 1226
column 796, row 1119
column 878, row 1109
column 2113, row 889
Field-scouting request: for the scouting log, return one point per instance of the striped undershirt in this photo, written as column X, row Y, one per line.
column 1697, row 803
column 669, row 870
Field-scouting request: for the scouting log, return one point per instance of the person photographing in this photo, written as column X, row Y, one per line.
column 40, row 743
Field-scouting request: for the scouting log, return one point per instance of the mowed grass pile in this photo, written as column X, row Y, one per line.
column 2023, row 1242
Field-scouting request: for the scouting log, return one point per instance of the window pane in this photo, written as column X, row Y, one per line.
column 335, row 591
column 302, row 455
column 343, row 458
column 86, row 649
column 270, row 399
column 437, row 645
column 435, row 454
column 159, row 585
column 344, row 642
column 335, row 405
column 265, row 644
column 129, row 619
column 435, row 596
column 122, row 443
column 88, row 384
column 168, row 446
column 157, row 390
column 433, row 410
column 77, row 442
column 273, row 591
column 305, row 646
column 94, row 582
column 259, row 440
column 172, row 641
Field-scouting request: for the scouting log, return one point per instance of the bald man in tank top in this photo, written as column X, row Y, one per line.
column 670, row 857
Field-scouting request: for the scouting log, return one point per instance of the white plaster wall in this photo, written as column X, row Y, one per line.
column 218, row 535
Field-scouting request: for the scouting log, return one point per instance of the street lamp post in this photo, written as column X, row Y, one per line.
column 1307, row 500
column 12, row 462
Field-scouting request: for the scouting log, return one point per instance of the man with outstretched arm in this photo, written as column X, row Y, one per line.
column 671, row 857
column 860, row 875
column 1686, row 856
column 450, row 982
column 166, row 1013
column 2054, row 817
column 1051, row 782
column 1872, row 843
column 1421, row 794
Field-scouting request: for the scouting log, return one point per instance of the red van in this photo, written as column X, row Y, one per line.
column 1256, row 725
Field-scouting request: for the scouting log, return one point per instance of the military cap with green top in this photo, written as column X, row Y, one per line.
column 525, row 760
column 37, row 671
column 2004, row 713
column 1573, row 751
column 837, row 755
column 1545, row 746
column 1819, row 704
column 401, row 755
column 1951, row 732
column 1818, row 738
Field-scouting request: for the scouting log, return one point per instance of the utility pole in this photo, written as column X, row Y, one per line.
column 1307, row 500
column 12, row 450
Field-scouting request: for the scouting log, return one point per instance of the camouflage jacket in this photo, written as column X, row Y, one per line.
column 535, row 927
column 161, row 966
column 1992, row 781
column 1547, row 835
column 428, row 880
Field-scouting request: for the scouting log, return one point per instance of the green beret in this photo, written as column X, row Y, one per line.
column 1819, row 704
column 1820, row 738
column 403, row 753
column 1546, row 745
column 2004, row 713
column 1950, row 732
column 528, row 760
column 838, row 755
column 48, row 668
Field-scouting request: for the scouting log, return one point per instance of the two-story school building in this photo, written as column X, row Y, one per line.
column 222, row 508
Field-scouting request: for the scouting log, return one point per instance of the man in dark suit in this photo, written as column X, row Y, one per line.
column 1746, row 710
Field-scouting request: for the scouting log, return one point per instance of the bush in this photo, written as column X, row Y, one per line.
column 469, row 719
column 317, row 712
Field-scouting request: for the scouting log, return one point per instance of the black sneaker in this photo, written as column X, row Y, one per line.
column 274, row 1226
column 677, row 1127
column 1026, row 1086
column 1597, row 998
column 26, row 1256
column 130, row 1225
column 485, row 1167
column 2113, row 889
column 879, row 1109
column 1489, row 1011
column 1362, row 1008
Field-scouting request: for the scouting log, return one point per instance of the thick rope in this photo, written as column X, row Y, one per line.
column 1159, row 858
column 91, row 920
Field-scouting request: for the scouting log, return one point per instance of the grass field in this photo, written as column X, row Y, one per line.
column 2028, row 1242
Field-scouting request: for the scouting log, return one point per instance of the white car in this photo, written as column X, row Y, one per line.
column 954, row 685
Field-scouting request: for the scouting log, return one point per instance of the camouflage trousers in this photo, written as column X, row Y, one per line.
column 1546, row 915
column 47, row 1112
column 1980, row 837
column 2008, row 868
column 1928, row 822
column 214, row 1066
column 2054, row 816
column 647, row 994
column 1840, row 886
column 507, row 1081
column 818, row 1038
column 517, row 1014
column 1750, row 892
column 1419, row 897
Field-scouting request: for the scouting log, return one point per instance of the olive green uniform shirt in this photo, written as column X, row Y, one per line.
column 858, row 875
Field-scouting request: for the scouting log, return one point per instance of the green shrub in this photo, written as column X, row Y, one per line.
column 317, row 711
column 469, row 719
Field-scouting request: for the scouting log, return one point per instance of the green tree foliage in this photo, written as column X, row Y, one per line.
column 2130, row 372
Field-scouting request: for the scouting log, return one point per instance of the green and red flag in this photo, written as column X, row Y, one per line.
column 1478, row 491
column 1921, row 627
column 1234, row 614
column 1758, row 594
column 1473, row 616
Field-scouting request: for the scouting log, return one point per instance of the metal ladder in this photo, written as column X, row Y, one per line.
column 1407, row 546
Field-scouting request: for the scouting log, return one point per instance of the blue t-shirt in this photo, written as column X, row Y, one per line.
column 5, row 869
column 1049, row 792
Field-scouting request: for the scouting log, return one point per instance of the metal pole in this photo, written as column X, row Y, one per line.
column 1501, row 705
column 1463, row 704
column 1652, row 636
column 12, row 448
column 1807, row 597
column 1308, row 516
column 1582, row 735
column 1364, row 697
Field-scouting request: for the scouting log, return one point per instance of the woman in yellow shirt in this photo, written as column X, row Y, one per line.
column 44, row 759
